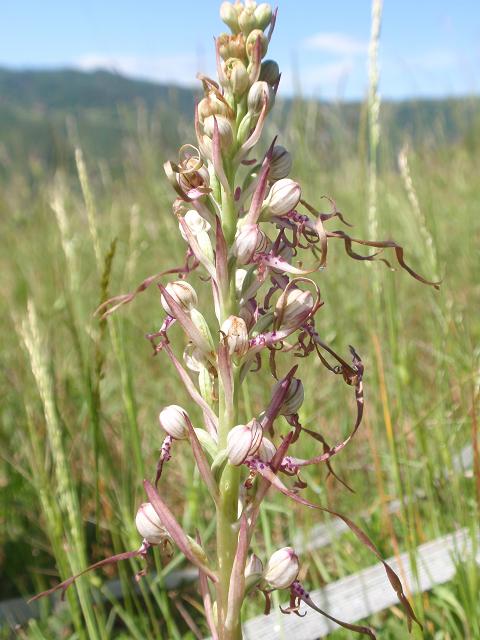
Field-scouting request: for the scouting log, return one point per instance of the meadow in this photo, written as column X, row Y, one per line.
column 80, row 396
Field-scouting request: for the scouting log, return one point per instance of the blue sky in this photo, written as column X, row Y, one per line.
column 428, row 47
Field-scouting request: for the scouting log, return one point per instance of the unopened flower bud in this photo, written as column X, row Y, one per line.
column 199, row 228
column 174, row 421
column 251, row 43
column 246, row 20
column 183, row 293
column 281, row 163
column 211, row 105
column 266, row 450
column 149, row 525
column 235, row 334
column 229, row 16
column 236, row 75
column 263, row 15
column 243, row 441
column 282, row 568
column 238, row 6
column 283, row 197
column 293, row 307
column 260, row 93
column 225, row 131
column 248, row 240
column 248, row 310
column 254, row 566
column 253, row 572
column 246, row 126
column 269, row 71
column 294, row 397
column 231, row 46
column 195, row 223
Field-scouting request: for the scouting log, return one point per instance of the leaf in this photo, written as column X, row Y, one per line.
column 217, row 159
column 255, row 136
column 174, row 529
column 201, row 460
column 226, row 373
column 192, row 241
column 184, row 319
column 218, row 463
column 237, row 577
column 208, row 443
column 206, row 597
column 261, row 189
column 211, row 418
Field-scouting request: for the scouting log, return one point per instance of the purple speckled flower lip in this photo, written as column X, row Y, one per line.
column 242, row 300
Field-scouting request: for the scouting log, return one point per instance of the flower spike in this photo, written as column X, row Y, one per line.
column 253, row 237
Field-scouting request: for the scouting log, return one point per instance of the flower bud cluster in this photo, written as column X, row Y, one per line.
column 246, row 17
column 248, row 83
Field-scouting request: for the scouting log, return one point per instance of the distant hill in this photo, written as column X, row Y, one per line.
column 43, row 113
column 68, row 89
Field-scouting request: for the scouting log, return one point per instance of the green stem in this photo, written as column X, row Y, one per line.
column 227, row 536
column 227, row 509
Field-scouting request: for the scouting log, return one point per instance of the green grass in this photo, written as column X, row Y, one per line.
column 81, row 398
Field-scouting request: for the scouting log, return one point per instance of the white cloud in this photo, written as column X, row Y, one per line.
column 178, row 69
column 336, row 43
column 436, row 60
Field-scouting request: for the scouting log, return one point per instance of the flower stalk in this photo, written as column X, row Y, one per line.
column 246, row 227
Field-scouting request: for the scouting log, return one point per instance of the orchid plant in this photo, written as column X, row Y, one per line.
column 246, row 228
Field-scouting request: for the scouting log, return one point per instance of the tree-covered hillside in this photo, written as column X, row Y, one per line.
column 43, row 114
